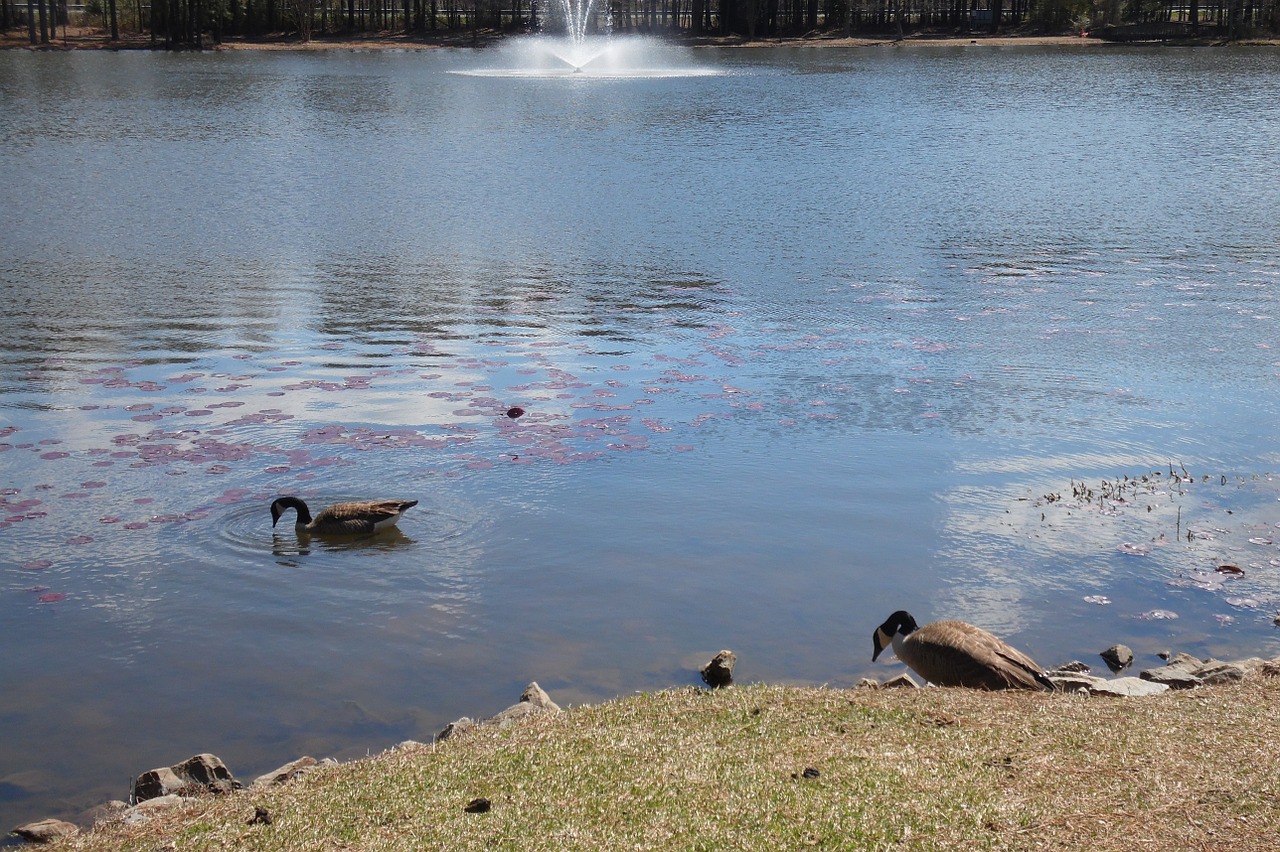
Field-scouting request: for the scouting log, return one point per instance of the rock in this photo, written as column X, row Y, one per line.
column 1186, row 662
column 534, row 694
column 1070, row 681
column 1128, row 687
column 145, row 810
column 1075, row 666
column 1079, row 682
column 719, row 672
column 479, row 805
column 285, row 773
column 461, row 726
column 533, row 701
column 46, row 830
column 1174, row 675
column 514, row 713
column 261, row 816
column 409, row 745
column 159, row 803
column 1219, row 673
column 902, row 681
column 1117, row 657
column 157, row 783
column 867, row 683
column 105, row 812
column 203, row 773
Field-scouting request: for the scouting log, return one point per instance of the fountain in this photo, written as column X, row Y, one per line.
column 581, row 54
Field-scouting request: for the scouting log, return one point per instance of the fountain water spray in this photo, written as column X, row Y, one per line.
column 580, row 54
column 577, row 15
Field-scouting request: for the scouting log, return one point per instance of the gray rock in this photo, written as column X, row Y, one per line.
column 1128, row 687
column 534, row 694
column 1186, row 662
column 203, row 773
column 719, row 672
column 145, row 810
column 453, row 729
column 533, row 700
column 515, row 712
column 1220, row 673
column 1117, row 657
column 867, row 683
column 46, row 830
column 1174, row 675
column 1069, row 681
column 1078, row 682
column 285, row 773
column 902, row 681
column 105, row 812
column 1074, row 666
column 409, row 745
column 157, row 783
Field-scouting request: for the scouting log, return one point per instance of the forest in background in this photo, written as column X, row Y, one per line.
column 184, row 24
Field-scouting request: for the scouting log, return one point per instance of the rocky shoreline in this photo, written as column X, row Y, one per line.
column 163, row 788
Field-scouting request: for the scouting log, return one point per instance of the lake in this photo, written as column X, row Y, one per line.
column 801, row 338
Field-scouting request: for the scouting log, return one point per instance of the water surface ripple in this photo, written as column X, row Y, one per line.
column 981, row 333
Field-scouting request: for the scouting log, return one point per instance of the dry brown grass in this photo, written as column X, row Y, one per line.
column 926, row 769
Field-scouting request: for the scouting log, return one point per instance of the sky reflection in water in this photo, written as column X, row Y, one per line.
column 784, row 369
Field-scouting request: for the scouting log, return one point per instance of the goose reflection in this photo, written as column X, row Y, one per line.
column 302, row 543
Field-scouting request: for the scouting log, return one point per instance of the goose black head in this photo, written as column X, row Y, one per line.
column 281, row 503
column 900, row 623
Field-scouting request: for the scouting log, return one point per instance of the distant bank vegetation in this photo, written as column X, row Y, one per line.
column 179, row 24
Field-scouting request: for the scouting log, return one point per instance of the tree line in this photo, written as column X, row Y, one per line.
column 199, row 23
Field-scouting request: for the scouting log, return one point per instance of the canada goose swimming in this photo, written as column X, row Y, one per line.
column 955, row 653
column 366, row 516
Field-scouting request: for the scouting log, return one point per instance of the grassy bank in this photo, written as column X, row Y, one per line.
column 904, row 769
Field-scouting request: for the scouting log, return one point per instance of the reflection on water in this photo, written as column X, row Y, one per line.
column 828, row 335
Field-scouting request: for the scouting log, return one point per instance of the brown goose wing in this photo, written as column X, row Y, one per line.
column 360, row 517
column 955, row 653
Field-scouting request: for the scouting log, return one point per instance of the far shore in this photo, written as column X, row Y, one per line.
column 96, row 38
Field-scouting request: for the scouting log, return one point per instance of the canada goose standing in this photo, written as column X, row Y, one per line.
column 955, row 653
column 367, row 516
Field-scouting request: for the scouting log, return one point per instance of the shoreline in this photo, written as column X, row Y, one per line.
column 995, row 763
column 96, row 38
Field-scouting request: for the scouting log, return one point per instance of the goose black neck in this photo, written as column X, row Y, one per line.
column 304, row 514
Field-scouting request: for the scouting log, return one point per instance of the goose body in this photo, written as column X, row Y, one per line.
column 956, row 653
column 366, row 516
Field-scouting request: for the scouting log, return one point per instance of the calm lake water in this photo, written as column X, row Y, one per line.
column 821, row 335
